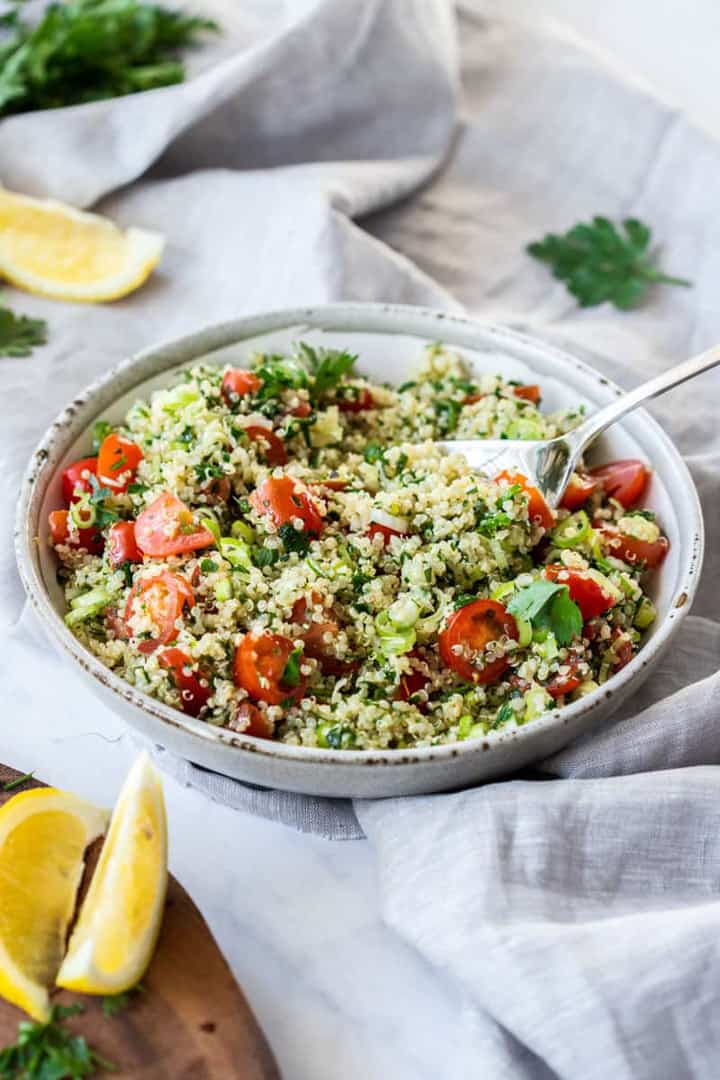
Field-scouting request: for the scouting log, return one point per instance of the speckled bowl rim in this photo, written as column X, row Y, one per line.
column 355, row 318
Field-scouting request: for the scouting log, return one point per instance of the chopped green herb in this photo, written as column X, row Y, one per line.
column 648, row 515
column 294, row 539
column 599, row 262
column 327, row 367
column 463, row 599
column 118, row 464
column 290, row 677
column 127, row 571
column 547, row 605
column 137, row 489
column 113, row 1005
column 447, row 412
column 265, row 556
column 374, row 453
column 101, row 430
column 50, row 1051
column 504, row 713
column 489, row 524
column 208, row 566
column 19, row 334
column 11, row 785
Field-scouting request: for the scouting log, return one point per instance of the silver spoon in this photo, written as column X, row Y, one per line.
column 549, row 464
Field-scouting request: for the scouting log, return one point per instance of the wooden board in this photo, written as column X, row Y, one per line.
column 191, row 1023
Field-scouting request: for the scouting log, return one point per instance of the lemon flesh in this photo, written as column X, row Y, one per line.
column 54, row 250
column 119, row 921
column 43, row 837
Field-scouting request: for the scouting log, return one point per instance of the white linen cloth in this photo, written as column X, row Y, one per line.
column 579, row 916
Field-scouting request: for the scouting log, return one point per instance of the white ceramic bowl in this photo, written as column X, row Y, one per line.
column 388, row 341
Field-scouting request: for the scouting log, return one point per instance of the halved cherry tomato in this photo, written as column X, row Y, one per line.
column 359, row 403
column 411, row 682
column 121, row 543
column 538, row 510
column 633, row 550
column 75, row 479
column 314, row 636
column 578, row 491
column 237, row 382
column 252, row 721
column 89, row 540
column 260, row 661
column 376, row 529
column 281, row 499
column 168, row 527
column 528, row 393
column 472, row 628
column 302, row 410
column 217, row 490
column 271, row 444
column 564, row 684
column 587, row 593
column 193, row 695
column 164, row 598
column 118, row 459
column 623, row 480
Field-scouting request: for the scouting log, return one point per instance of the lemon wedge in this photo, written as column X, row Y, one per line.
column 54, row 250
column 119, row 921
column 43, row 837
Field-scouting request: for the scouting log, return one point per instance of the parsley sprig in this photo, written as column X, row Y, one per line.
column 19, row 334
column 50, row 1052
column 86, row 50
column 599, row 261
column 547, row 605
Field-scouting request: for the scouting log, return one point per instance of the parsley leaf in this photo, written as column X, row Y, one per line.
column 49, row 1051
column 114, row 1004
column 599, row 262
column 86, row 50
column 19, row 334
column 290, row 677
column 327, row 367
column 294, row 539
column 547, row 605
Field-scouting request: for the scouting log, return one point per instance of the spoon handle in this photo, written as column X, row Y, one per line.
column 597, row 423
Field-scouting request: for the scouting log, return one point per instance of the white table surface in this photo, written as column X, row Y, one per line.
column 340, row 997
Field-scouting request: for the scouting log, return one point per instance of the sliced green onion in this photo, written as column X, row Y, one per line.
column 503, row 591
column 237, row 553
column 241, row 531
column 209, row 521
column 335, row 737
column 525, row 632
column 82, row 513
column 393, row 642
column 526, row 428
column 403, row 613
column 101, row 430
column 548, row 647
column 573, row 531
column 88, row 604
column 537, row 702
column 177, row 399
column 465, row 724
column 316, row 568
column 223, row 589
column 646, row 614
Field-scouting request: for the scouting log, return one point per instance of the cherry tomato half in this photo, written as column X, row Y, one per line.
column 260, row 661
column 584, row 590
column 376, row 529
column 471, row 629
column 528, row 393
column 623, row 651
column 302, row 410
column 314, row 635
column 164, row 598
column 271, row 444
column 632, row 550
column 360, row 402
column 168, row 527
column 118, row 459
column 187, row 679
column 121, row 544
column 250, row 720
column 623, row 480
column 564, row 684
column 76, row 478
column 538, row 510
column 237, row 382
column 578, row 491
column 281, row 499
column 89, row 540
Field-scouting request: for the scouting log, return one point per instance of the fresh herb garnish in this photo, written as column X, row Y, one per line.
column 265, row 556
column 104, row 515
column 547, row 605
column 290, row 677
column 136, row 489
column 101, row 430
column 127, row 570
column 504, row 713
column 648, row 515
column 489, row 524
column 374, row 453
column 114, row 1004
column 327, row 367
column 87, row 50
column 50, row 1052
column 294, row 539
column 463, row 599
column 208, row 566
column 19, row 334
column 11, row 785
column 599, row 262
column 447, row 412
column 339, row 737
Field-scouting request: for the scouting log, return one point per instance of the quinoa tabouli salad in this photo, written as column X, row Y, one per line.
column 284, row 552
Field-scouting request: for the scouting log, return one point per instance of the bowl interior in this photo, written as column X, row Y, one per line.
column 391, row 357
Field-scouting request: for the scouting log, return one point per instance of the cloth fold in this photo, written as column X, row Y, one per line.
column 577, row 910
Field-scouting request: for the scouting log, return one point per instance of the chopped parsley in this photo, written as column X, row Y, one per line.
column 49, row 1051
column 327, row 367
column 294, row 539
column 290, row 677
